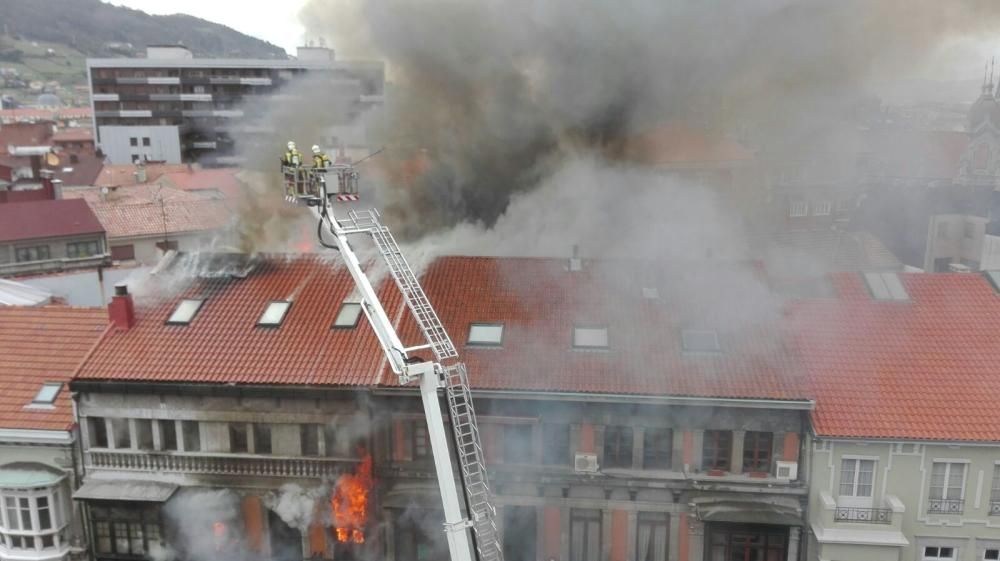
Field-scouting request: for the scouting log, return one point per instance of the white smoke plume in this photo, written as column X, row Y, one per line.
column 296, row 506
column 193, row 515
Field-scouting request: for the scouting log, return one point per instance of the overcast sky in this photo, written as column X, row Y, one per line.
column 273, row 21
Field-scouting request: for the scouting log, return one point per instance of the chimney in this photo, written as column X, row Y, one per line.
column 575, row 263
column 140, row 173
column 121, row 310
column 48, row 185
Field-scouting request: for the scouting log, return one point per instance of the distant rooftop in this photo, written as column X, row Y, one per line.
column 47, row 219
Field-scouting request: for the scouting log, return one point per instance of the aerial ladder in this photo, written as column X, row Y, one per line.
column 309, row 186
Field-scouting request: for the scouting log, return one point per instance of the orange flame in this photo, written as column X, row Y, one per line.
column 350, row 502
column 219, row 531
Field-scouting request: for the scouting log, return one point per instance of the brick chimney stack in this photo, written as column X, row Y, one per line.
column 121, row 310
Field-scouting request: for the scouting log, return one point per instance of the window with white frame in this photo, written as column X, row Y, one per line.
column 935, row 553
column 822, row 208
column 991, row 554
column 947, row 487
column 857, row 477
column 798, row 208
column 33, row 519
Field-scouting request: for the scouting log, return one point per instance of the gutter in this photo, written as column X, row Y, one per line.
column 35, row 436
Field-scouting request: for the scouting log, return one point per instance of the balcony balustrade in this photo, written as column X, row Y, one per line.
column 221, row 464
column 863, row 515
column 945, row 506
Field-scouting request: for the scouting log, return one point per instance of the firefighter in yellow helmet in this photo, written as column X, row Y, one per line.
column 292, row 157
column 320, row 159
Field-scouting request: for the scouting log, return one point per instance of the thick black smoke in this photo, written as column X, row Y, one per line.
column 494, row 95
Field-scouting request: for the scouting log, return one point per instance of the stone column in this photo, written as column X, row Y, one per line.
column 698, row 437
column 638, row 443
column 736, row 461
column 793, row 543
column 696, row 539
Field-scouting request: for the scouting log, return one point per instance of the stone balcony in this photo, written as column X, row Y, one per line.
column 219, row 464
column 838, row 525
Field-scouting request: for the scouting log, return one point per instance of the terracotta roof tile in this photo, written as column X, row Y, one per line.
column 47, row 219
column 223, row 180
column 42, row 344
column 920, row 369
column 539, row 301
column 223, row 343
column 124, row 174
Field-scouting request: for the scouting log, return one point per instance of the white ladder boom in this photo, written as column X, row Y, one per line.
column 454, row 378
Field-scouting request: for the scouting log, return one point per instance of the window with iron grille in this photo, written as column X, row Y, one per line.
column 757, row 447
column 717, row 450
column 617, row 447
column 657, row 445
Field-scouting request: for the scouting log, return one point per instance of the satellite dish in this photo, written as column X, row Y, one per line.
column 104, row 190
column 52, row 159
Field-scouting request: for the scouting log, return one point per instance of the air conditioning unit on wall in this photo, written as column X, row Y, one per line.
column 786, row 471
column 586, row 463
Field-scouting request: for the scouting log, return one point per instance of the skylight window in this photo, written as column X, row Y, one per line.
column 348, row 315
column 700, row 341
column 886, row 286
column 590, row 337
column 274, row 314
column 486, row 334
column 185, row 312
column 47, row 394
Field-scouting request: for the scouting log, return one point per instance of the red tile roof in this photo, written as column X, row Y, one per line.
column 223, row 180
column 77, row 134
column 47, row 219
column 24, row 134
column 174, row 217
column 42, row 344
column 537, row 299
column 32, row 114
column 922, row 369
column 135, row 210
column 223, row 345
column 124, row 174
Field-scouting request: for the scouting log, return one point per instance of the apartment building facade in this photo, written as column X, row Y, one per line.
column 175, row 108
column 229, row 378
column 50, row 235
column 904, row 456
column 39, row 463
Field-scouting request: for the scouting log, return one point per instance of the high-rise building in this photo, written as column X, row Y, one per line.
column 173, row 107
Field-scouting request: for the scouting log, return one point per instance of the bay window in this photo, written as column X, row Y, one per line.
column 33, row 520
